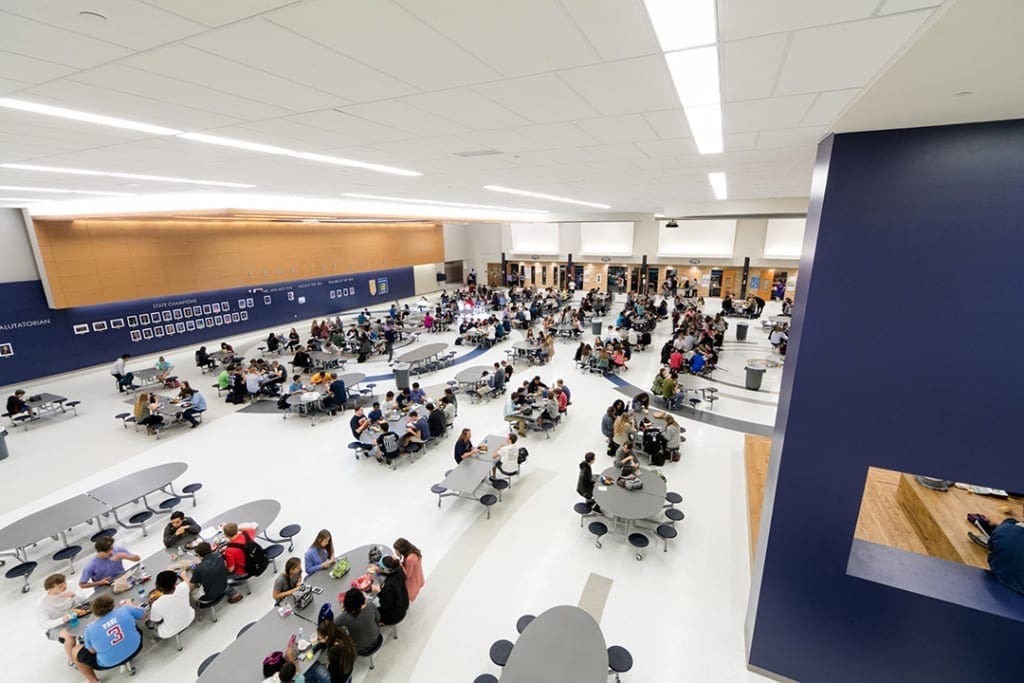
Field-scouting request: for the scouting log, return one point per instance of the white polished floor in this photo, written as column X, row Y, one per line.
column 680, row 613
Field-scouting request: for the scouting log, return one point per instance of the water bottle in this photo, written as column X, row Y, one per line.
column 73, row 621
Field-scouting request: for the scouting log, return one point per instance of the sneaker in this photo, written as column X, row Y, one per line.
column 978, row 540
column 235, row 598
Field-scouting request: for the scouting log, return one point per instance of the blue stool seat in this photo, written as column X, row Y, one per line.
column 170, row 503
column 22, row 571
column 273, row 552
column 500, row 651
column 499, row 485
column 599, row 529
column 638, row 541
column 523, row 622
column 68, row 553
column 73, row 405
column 673, row 498
column 140, row 517
column 581, row 509
column 289, row 532
column 487, row 500
column 192, row 488
column 438, row 489
column 666, row 532
column 675, row 514
column 102, row 533
column 485, row 678
column 206, row 662
column 619, row 660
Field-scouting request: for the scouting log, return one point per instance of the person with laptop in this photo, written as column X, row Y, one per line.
column 106, row 565
column 111, row 640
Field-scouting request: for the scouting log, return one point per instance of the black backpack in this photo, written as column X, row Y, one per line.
column 255, row 558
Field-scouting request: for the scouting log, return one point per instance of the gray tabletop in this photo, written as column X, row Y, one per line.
column 146, row 375
column 50, row 520
column 472, row 375
column 396, row 423
column 137, row 484
column 472, row 472
column 352, row 378
column 616, row 501
column 44, row 398
column 263, row 512
column 524, row 345
column 421, row 353
column 242, row 660
column 562, row 645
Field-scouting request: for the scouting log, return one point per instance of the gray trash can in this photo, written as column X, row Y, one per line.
column 3, row 444
column 595, row 327
column 755, row 373
column 741, row 331
column 401, row 375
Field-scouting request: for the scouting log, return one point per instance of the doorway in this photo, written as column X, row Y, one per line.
column 577, row 274
column 715, row 286
column 779, row 285
column 617, row 279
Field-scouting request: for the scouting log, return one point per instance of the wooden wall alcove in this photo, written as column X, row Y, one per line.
column 93, row 261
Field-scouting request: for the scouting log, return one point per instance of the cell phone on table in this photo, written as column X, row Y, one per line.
column 317, row 590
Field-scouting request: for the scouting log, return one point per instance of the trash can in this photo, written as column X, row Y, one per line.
column 741, row 331
column 755, row 373
column 3, row 444
column 595, row 327
column 401, row 375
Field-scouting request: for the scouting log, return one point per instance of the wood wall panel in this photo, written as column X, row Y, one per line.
column 102, row 261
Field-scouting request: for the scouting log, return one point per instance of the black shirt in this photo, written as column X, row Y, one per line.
column 212, row 574
column 393, row 599
column 436, row 422
column 15, row 405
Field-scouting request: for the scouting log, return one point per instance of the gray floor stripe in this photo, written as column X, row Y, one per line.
column 445, row 579
column 595, row 595
column 713, row 419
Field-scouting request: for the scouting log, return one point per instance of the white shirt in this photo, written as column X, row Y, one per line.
column 118, row 367
column 778, row 337
column 173, row 611
column 509, row 457
column 51, row 609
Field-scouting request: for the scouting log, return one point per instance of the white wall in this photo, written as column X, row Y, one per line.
column 456, row 241
column 425, row 277
column 17, row 262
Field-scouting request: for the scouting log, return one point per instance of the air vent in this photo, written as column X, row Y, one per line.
column 477, row 153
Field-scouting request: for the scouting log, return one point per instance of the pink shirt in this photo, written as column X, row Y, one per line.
column 413, row 575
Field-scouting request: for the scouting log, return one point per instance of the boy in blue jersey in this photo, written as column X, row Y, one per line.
column 111, row 640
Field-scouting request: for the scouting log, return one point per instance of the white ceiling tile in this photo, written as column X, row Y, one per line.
column 380, row 34
column 129, row 23
column 33, row 39
column 8, row 86
column 735, row 142
column 189, row 64
column 357, row 129
column 569, row 155
column 410, row 150
column 749, row 67
column 893, row 6
column 218, row 12
column 661, row 148
column 747, row 18
column 133, row 81
column 469, row 108
column 617, row 29
column 290, row 56
column 541, row 99
column 773, row 112
column 110, row 103
column 769, row 139
column 404, row 117
column 616, row 129
column 828, row 106
column 625, row 87
column 846, row 56
column 27, row 69
column 554, row 135
column 615, row 152
column 503, row 140
column 669, row 124
column 494, row 31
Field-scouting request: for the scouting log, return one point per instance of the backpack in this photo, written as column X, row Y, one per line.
column 326, row 613
column 340, row 568
column 272, row 663
column 523, row 455
column 303, row 596
column 255, row 558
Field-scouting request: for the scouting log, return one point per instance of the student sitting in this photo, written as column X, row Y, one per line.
column 171, row 612
column 56, row 608
column 361, row 619
column 288, row 581
column 109, row 641
column 203, row 359
column 417, row 429
column 320, row 555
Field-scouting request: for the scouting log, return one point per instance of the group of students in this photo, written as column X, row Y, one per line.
column 187, row 405
column 356, row 629
column 621, row 424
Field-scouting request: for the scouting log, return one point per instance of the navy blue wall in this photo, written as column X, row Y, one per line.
column 44, row 341
column 905, row 355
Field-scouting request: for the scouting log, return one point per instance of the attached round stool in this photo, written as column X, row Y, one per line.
column 599, row 529
column 68, row 553
column 673, row 498
column 169, row 504
column 500, row 651
column 639, row 541
column 206, row 663
column 140, row 518
column 447, row 472
column 122, row 417
column 583, row 510
column 487, row 500
column 22, row 571
column 273, row 552
column 374, row 649
column 439, row 491
column 191, row 490
column 666, row 532
column 288, row 533
column 485, row 678
column 693, row 403
column 619, row 660
column 499, row 485
column 73, row 405
column 523, row 622
column 358, row 448
column 675, row 515
column 103, row 533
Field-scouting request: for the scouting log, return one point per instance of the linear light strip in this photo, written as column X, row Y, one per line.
column 680, row 24
column 85, row 117
column 439, row 202
column 111, row 174
column 57, row 190
column 539, row 195
column 717, row 180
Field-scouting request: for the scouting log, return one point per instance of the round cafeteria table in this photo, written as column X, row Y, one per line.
column 352, row 378
column 562, row 645
column 616, row 501
column 471, row 375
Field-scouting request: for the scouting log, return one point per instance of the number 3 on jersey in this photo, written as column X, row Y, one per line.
column 115, row 634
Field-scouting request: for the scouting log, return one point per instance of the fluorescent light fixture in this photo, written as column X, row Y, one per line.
column 58, row 190
column 132, row 176
column 85, row 117
column 438, row 202
column 717, row 181
column 538, row 195
column 284, row 151
column 680, row 24
column 706, row 126
column 20, row 199
column 695, row 75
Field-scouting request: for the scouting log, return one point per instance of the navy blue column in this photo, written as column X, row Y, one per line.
column 904, row 355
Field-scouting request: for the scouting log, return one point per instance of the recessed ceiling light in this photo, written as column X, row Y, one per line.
column 539, row 195
column 680, row 24
column 111, row 174
column 439, row 202
column 58, row 190
column 284, row 151
column 95, row 16
column 717, row 181
column 963, row 93
column 85, row 117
